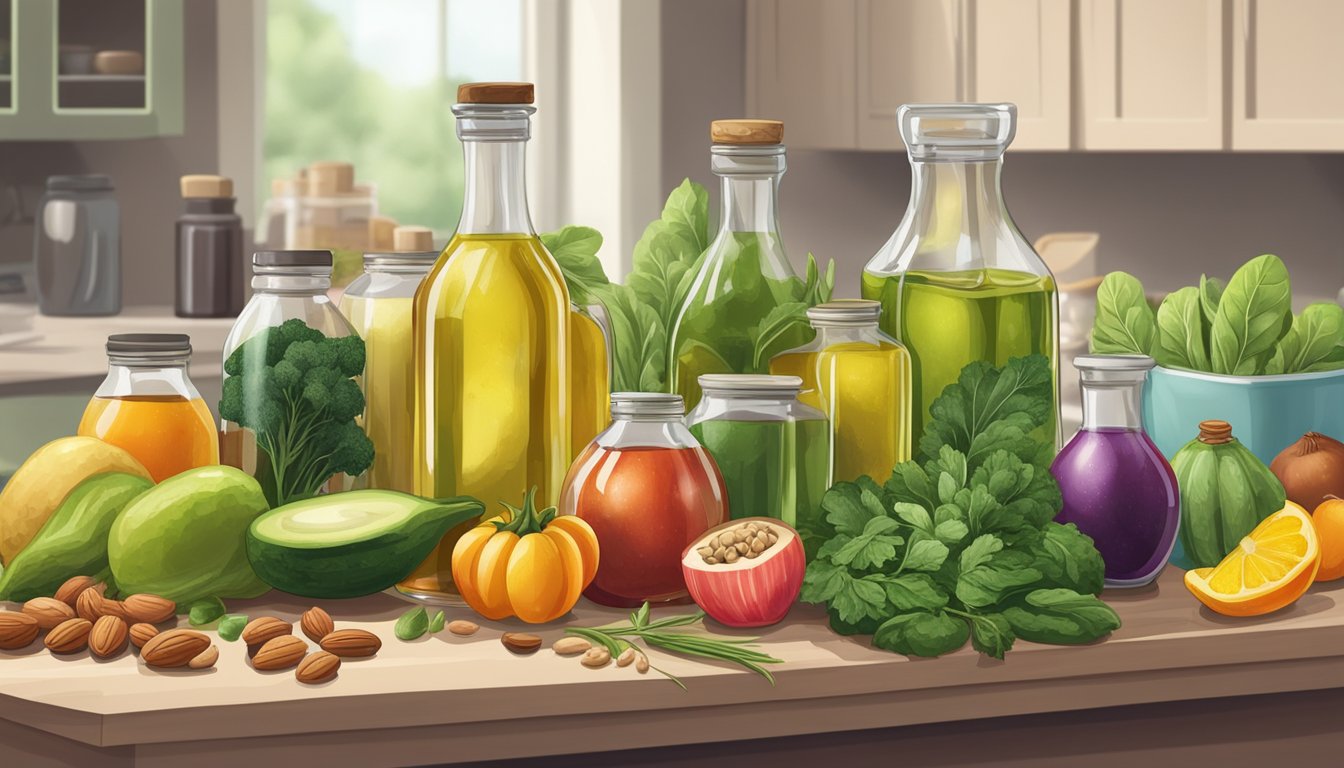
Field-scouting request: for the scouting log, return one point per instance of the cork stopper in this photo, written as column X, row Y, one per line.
column 328, row 178
column 1215, row 432
column 411, row 239
column 197, row 185
column 746, row 132
column 495, row 93
column 380, row 232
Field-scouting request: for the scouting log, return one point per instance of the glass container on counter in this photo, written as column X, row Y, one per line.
column 648, row 489
column 379, row 305
column 209, row 249
column 148, row 406
column 958, row 282
column 492, row 339
column 77, row 247
column 860, row 378
column 773, row 451
column 333, row 213
column 286, row 285
column 745, row 273
column 1117, row 487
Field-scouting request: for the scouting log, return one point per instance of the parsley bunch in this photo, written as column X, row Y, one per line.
column 960, row 544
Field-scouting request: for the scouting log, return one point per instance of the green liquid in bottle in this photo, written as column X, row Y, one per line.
column 949, row 319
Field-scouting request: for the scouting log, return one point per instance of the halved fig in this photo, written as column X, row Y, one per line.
column 745, row 573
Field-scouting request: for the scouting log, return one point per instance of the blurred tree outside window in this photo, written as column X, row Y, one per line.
column 372, row 82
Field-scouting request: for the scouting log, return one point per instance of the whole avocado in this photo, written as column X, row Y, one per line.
column 185, row 539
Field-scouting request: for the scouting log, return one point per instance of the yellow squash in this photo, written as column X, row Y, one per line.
column 529, row 564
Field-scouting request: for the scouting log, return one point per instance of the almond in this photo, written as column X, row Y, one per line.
column 463, row 628
column 262, row 629
column 89, row 605
column 142, row 633
column 318, row 667
column 108, row 637
column 205, row 659
column 280, row 652
column 17, row 630
column 351, row 643
column 73, row 588
column 317, row 624
column 48, row 611
column 149, row 609
column 521, row 642
column 70, row 636
column 568, row 646
column 174, row 648
column 115, row 608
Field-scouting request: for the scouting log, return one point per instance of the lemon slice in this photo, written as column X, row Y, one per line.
column 1271, row 567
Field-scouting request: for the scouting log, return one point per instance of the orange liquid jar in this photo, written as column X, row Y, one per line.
column 149, row 407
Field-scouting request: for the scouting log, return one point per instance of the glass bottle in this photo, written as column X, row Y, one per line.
column 773, row 451
column 286, row 285
column 148, row 406
column 491, row 337
column 860, row 378
column 590, row 374
column 77, row 247
column 744, row 273
column 379, row 304
column 958, row 282
column 648, row 489
column 209, row 249
column 1117, row 486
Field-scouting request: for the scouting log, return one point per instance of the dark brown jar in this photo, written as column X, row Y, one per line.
column 209, row 250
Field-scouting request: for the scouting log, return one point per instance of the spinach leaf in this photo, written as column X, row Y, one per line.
column 911, row 591
column 990, row 409
column 924, row 554
column 1061, row 617
column 1250, row 316
column 922, row 633
column 639, row 341
column 1180, row 332
column 1125, row 324
column 991, row 634
column 1066, row 557
column 990, row 580
column 575, row 250
column 1210, row 293
column 784, row 318
column 1312, row 341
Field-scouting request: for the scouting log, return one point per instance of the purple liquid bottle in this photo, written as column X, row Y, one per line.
column 1117, row 486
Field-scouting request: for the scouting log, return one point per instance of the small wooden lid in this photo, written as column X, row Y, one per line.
column 1215, row 432
column 746, row 132
column 380, row 232
column 411, row 239
column 328, row 177
column 495, row 93
column 205, row 185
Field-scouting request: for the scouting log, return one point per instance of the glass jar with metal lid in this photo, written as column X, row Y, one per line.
column 290, row 306
column 148, row 406
column 379, row 304
column 77, row 247
column 773, row 451
column 860, row 378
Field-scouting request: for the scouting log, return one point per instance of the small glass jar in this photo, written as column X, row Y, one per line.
column 1117, row 486
column 286, row 285
column 860, row 378
column 379, row 305
column 148, row 406
column 648, row 489
column 77, row 247
column 773, row 451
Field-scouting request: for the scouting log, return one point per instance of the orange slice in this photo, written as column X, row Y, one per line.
column 1271, row 567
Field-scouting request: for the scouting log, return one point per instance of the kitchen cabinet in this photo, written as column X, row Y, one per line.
column 1287, row 67
column 1152, row 74
column 54, row 89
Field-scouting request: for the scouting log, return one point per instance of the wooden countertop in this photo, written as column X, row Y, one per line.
column 448, row 699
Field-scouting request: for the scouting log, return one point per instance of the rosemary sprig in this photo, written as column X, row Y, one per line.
column 656, row 635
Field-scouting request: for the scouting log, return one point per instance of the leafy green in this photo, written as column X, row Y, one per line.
column 960, row 544
column 412, row 624
column 1250, row 316
column 231, row 627
column 1312, row 343
column 575, row 250
column 1125, row 324
column 1210, row 294
column 205, row 611
column 437, row 622
column 1180, row 331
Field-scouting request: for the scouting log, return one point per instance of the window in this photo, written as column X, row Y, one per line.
column 372, row 82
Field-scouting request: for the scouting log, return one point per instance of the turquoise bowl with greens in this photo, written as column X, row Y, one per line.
column 1267, row 413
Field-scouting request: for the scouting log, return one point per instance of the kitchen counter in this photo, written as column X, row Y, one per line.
column 70, row 353
column 447, row 699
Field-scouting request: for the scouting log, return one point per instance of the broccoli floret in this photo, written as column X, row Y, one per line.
column 293, row 387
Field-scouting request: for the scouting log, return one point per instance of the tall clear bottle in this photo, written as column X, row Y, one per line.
column 744, row 274
column 491, row 338
column 958, row 282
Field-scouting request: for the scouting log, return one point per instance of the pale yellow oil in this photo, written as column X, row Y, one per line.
column 590, row 389
column 864, row 389
column 389, row 413
column 491, row 358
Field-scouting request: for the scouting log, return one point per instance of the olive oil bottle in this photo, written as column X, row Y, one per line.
column 491, row 338
column 957, row 281
column 590, row 376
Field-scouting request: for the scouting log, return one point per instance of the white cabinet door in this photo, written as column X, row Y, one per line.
column 1288, row 75
column 800, row 69
column 907, row 52
column 1019, row 52
column 1152, row 74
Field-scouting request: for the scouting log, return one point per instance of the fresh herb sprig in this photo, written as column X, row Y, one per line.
column 656, row 635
